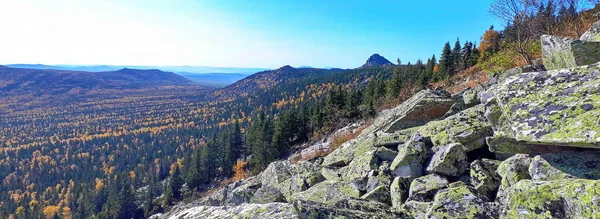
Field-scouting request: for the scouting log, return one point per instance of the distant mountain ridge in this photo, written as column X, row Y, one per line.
column 61, row 81
column 376, row 60
column 175, row 69
column 203, row 75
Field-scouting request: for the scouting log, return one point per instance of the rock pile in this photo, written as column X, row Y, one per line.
column 525, row 147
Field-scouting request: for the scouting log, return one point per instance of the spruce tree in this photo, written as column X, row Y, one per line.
column 446, row 62
column 395, row 84
column 456, row 58
column 175, row 183
column 237, row 142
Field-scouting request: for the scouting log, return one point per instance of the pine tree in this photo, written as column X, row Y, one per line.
column 202, row 164
column 192, row 174
column 352, row 104
column 175, row 183
column 456, row 58
column 168, row 199
column 446, row 62
column 473, row 57
column 212, row 150
column 225, row 155
column 149, row 199
column 237, row 142
column 260, row 138
column 395, row 84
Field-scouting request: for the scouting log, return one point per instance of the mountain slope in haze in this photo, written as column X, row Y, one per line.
column 376, row 60
column 214, row 79
column 60, row 81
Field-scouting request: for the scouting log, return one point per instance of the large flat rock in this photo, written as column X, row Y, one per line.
column 559, row 107
column 425, row 106
column 271, row 210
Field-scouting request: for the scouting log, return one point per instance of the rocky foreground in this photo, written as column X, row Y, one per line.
column 524, row 145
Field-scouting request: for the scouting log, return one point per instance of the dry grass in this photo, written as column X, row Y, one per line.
column 221, row 185
column 337, row 140
column 469, row 78
column 342, row 138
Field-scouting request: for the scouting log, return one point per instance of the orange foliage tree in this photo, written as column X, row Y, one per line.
column 240, row 171
column 490, row 43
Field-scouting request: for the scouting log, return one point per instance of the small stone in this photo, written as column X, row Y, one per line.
column 379, row 194
column 425, row 187
column 484, row 177
column 513, row 170
column 399, row 191
column 450, row 160
column 328, row 192
column 461, row 202
column 410, row 158
column 416, row 209
column 267, row 194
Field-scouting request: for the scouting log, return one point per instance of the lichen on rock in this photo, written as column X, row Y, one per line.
column 484, row 177
column 449, row 160
column 566, row 198
column 425, row 187
column 553, row 108
column 411, row 157
column 461, row 202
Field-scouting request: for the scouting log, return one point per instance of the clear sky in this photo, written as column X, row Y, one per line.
column 230, row 33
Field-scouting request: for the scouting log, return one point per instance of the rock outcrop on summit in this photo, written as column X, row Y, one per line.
column 376, row 60
column 525, row 145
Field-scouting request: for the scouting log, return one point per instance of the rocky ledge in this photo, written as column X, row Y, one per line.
column 527, row 146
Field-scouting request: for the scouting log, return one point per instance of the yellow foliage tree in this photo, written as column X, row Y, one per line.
column 240, row 171
column 50, row 211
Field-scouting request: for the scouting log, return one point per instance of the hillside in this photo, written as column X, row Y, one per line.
column 520, row 145
column 19, row 80
column 268, row 79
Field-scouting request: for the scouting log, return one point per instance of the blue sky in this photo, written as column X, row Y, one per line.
column 268, row 33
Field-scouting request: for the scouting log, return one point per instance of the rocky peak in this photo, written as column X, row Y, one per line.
column 286, row 68
column 376, row 60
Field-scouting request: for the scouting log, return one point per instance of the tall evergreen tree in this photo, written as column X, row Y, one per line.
column 456, row 58
column 237, row 142
column 395, row 85
column 176, row 182
column 446, row 62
